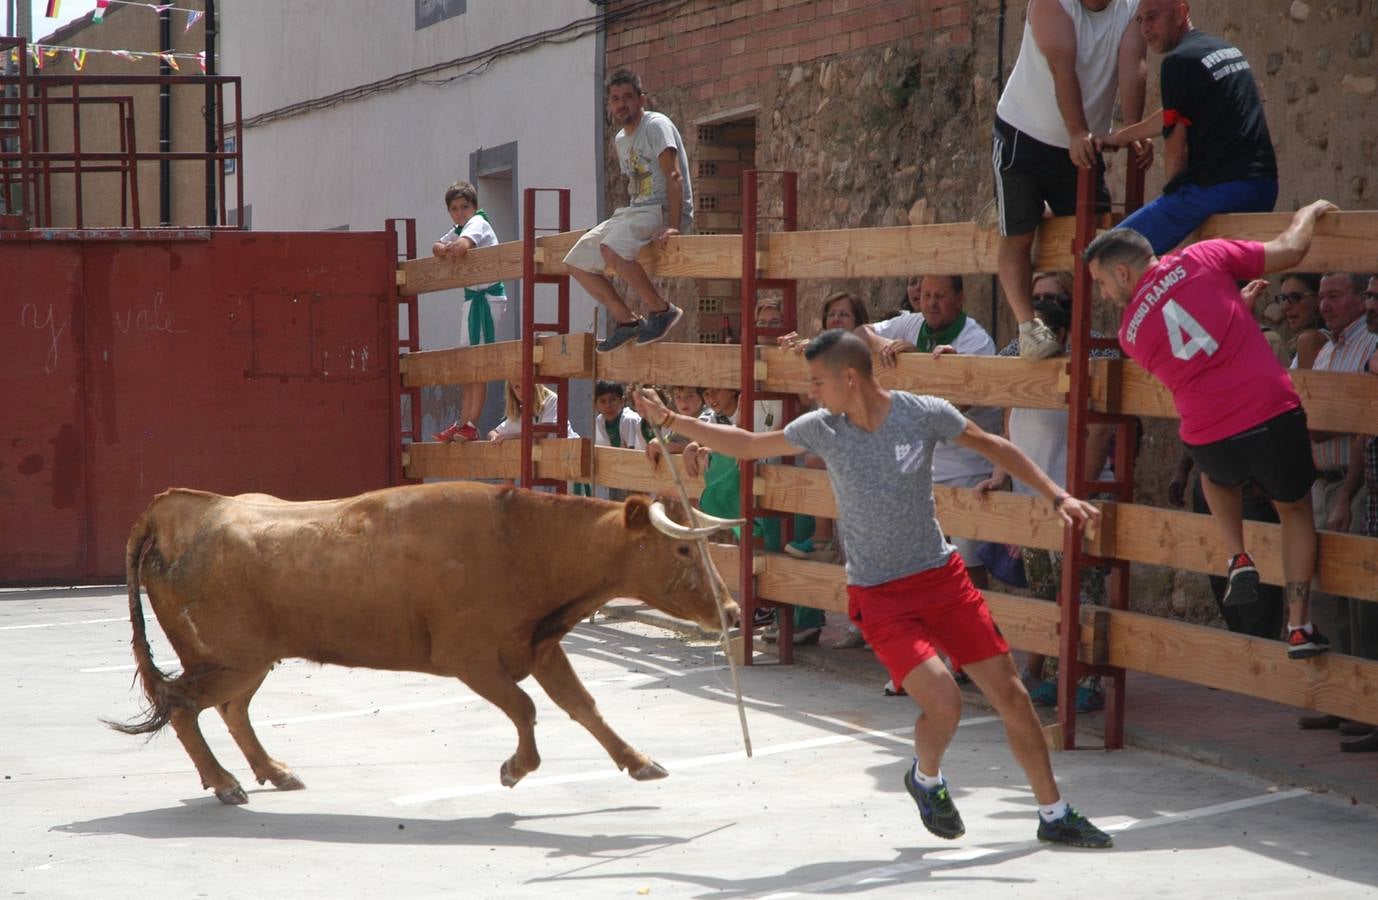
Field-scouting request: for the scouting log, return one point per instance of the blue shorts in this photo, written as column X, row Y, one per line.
column 1169, row 219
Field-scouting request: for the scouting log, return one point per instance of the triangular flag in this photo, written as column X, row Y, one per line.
column 51, row 52
column 37, row 53
column 52, row 8
column 193, row 17
column 170, row 60
column 201, row 61
column 99, row 14
column 160, row 7
column 122, row 54
column 79, row 59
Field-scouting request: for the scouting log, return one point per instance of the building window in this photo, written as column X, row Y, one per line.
column 429, row 12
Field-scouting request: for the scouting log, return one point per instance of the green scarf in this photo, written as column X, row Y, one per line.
column 614, row 429
column 482, row 329
column 928, row 339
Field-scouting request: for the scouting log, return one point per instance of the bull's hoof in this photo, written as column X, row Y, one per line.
column 506, row 776
column 288, row 781
column 650, row 772
column 234, row 796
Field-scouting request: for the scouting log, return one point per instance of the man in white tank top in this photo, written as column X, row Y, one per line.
column 1074, row 55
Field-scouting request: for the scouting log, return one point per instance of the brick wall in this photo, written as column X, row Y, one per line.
column 715, row 51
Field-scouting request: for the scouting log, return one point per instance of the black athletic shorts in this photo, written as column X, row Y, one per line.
column 1029, row 173
column 1275, row 456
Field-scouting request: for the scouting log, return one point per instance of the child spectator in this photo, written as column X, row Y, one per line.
column 544, row 399
column 484, row 304
column 614, row 426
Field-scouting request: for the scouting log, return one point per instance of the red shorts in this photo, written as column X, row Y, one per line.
column 907, row 620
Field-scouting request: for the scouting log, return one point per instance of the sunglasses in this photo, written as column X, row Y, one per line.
column 1292, row 299
column 1060, row 299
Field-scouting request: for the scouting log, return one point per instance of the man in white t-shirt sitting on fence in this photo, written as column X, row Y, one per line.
column 651, row 154
column 940, row 323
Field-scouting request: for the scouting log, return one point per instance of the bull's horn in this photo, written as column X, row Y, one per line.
column 669, row 527
column 704, row 518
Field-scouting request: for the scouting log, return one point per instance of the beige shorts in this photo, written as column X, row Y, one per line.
column 628, row 230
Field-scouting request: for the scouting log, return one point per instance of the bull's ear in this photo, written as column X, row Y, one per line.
column 636, row 513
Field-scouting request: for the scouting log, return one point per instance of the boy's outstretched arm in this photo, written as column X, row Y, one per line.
column 725, row 439
column 1013, row 461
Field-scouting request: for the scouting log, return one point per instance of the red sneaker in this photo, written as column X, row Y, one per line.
column 457, row 432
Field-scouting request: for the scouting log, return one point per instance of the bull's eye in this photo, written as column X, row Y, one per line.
column 682, row 550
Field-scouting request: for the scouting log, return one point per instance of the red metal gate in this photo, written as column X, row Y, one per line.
column 228, row 361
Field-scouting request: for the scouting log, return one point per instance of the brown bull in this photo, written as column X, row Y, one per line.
column 467, row 580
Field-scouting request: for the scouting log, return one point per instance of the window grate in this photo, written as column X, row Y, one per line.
column 707, row 169
column 710, row 337
column 706, row 202
column 708, row 134
column 710, row 304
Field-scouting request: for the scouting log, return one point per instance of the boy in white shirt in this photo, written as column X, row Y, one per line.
column 614, row 426
column 484, row 304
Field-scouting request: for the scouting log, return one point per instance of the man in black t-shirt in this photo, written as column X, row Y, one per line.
column 1216, row 146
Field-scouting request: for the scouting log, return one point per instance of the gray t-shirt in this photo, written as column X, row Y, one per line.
column 883, row 483
column 639, row 157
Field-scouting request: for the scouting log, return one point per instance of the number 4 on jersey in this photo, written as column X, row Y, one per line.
column 1179, row 323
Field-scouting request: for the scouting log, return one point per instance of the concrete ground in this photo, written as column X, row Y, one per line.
column 403, row 797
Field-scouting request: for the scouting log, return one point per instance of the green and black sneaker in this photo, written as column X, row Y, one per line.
column 1074, row 830
column 936, row 809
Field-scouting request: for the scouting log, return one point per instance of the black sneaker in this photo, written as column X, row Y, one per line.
column 1074, row 830
column 1243, row 577
column 936, row 809
column 658, row 324
column 620, row 335
column 1301, row 645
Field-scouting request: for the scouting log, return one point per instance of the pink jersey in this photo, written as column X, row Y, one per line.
column 1188, row 327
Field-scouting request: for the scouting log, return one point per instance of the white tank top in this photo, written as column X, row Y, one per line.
column 1029, row 102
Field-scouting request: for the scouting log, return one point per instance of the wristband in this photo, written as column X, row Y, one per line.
column 665, row 422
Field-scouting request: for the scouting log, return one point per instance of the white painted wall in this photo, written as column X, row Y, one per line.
column 392, row 154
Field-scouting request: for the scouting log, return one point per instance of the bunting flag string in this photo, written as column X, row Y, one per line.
column 193, row 15
column 44, row 54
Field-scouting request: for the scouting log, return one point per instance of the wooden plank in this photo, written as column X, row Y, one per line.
column 1334, row 401
column 561, row 458
column 1344, row 241
column 1348, row 564
column 957, row 248
column 630, row 470
column 1344, row 686
column 481, row 265
column 561, row 356
column 1339, row 401
column 701, row 365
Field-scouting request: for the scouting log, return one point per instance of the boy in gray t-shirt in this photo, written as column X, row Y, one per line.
column 906, row 588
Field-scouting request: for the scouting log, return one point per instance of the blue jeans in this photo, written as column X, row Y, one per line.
column 1169, row 219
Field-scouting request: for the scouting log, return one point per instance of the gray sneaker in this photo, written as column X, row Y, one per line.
column 1036, row 341
column 619, row 336
column 658, row 324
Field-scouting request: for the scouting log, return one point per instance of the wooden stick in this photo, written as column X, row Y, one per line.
column 713, row 577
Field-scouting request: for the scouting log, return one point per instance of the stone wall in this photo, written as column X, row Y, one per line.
column 884, row 109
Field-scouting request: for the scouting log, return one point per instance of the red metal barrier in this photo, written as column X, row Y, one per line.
column 228, row 361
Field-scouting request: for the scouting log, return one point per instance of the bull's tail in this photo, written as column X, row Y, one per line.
column 164, row 693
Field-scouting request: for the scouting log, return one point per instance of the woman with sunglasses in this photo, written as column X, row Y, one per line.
column 1301, row 307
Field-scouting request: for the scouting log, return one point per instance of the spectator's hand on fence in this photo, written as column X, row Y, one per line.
column 1177, row 492
column 942, row 349
column 662, row 237
column 695, row 457
column 1143, row 153
column 654, row 453
column 1109, row 141
column 889, row 353
column 1339, row 517
column 496, row 436
column 998, row 481
column 1322, row 207
column 1076, row 512
column 1083, row 150
column 792, row 341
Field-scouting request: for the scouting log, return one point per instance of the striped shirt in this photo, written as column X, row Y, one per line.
column 1371, row 479
column 1347, row 351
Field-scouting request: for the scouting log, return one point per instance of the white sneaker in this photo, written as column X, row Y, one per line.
column 1037, row 341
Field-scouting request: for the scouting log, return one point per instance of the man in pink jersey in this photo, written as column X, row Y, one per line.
column 1184, row 322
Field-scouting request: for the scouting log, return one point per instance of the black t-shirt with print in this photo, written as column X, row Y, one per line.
column 1208, row 86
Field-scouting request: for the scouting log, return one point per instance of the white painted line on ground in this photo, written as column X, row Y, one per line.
column 130, row 667
column 63, row 624
column 694, row 762
column 940, row 858
column 677, row 673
